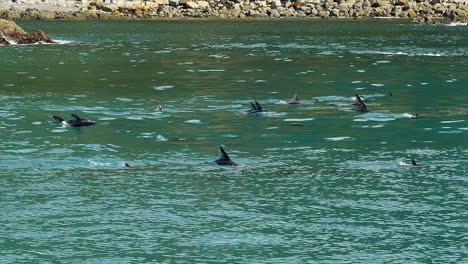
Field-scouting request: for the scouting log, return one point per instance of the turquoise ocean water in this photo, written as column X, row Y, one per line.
column 318, row 182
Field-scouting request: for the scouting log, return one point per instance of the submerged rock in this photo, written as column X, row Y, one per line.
column 10, row 33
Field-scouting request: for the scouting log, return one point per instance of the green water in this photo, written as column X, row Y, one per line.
column 318, row 182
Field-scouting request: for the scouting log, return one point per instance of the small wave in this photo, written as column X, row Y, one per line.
column 161, row 138
column 93, row 163
column 162, row 87
column 193, row 121
column 62, row 41
column 337, row 138
column 406, row 115
column 220, row 70
column 298, row 119
column 455, row 24
column 453, row 121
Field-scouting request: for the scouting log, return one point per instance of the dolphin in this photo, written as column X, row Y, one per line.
column 356, row 101
column 159, row 108
column 362, row 107
column 224, row 160
column 75, row 122
column 256, row 108
column 294, row 99
column 416, row 165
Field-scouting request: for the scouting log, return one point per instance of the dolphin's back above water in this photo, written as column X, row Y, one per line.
column 256, row 108
column 362, row 107
column 75, row 122
column 224, row 159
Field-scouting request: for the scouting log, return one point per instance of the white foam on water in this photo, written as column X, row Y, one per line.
column 37, row 123
column 162, row 87
column 93, row 163
column 298, row 119
column 455, row 24
column 401, row 163
column 135, row 118
column 61, row 41
column 271, row 128
column 230, row 136
column 214, row 70
column 450, row 132
column 9, row 85
column 58, row 130
column 361, row 70
column 383, row 61
column 193, row 121
column 107, row 118
column 185, row 63
column 356, row 82
column 337, row 138
column 123, row 99
column 453, row 121
column 22, row 132
column 377, row 84
column 407, row 115
column 219, row 56
column 161, row 138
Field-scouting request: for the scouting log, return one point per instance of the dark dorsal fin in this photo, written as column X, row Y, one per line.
column 58, row 119
column 253, row 106
column 414, row 162
column 362, row 105
column 127, row 165
column 224, row 155
column 258, row 106
column 75, row 117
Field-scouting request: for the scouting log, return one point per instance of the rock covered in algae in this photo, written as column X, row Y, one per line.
column 10, row 33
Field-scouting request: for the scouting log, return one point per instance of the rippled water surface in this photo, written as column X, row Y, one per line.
column 318, row 182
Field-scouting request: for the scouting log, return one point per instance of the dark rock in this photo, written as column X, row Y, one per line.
column 10, row 33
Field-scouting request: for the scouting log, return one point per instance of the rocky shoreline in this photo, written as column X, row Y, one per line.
column 12, row 34
column 424, row 11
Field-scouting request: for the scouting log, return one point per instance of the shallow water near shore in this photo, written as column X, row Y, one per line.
column 318, row 182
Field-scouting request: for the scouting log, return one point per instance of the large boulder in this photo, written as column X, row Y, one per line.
column 10, row 33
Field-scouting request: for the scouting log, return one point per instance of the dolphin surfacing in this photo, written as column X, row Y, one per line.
column 75, row 122
column 256, row 108
column 224, row 160
column 362, row 107
column 414, row 164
